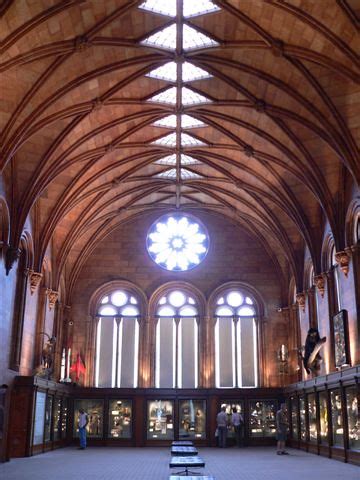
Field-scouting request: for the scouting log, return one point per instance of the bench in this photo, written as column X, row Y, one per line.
column 186, row 463
column 183, row 451
column 182, row 443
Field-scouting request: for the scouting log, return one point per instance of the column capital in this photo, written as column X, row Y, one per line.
column 343, row 258
column 35, row 279
column 52, row 297
column 300, row 300
column 319, row 281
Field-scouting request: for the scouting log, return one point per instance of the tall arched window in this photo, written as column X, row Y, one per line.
column 117, row 340
column 177, row 339
column 235, row 341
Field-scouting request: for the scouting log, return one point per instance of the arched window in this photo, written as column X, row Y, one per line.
column 117, row 340
column 337, row 298
column 177, row 334
column 235, row 341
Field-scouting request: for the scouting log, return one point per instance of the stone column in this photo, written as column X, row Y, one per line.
column 18, row 318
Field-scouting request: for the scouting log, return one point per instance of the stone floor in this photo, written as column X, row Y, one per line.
column 152, row 463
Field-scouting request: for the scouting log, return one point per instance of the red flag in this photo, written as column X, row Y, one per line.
column 78, row 367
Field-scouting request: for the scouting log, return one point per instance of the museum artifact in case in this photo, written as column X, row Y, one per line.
column 353, row 416
column 262, row 418
column 324, row 419
column 294, row 418
column 94, row 410
column 160, row 420
column 337, row 419
column 192, row 419
column 302, row 418
column 120, row 419
column 312, row 417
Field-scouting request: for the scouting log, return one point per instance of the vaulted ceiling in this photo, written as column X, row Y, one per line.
column 271, row 131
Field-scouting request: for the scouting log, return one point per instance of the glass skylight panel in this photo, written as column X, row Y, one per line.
column 166, row 72
column 168, row 122
column 167, row 174
column 167, row 96
column 184, row 174
column 166, row 38
column 171, row 160
column 200, row 7
column 193, row 39
column 167, row 141
column 190, row 72
column 189, row 140
column 190, row 122
column 164, row 7
column 189, row 97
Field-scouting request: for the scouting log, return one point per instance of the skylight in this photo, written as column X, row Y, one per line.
column 186, row 122
column 166, row 96
column 170, row 140
column 192, row 38
column 189, row 97
column 200, row 7
column 164, row 7
column 164, row 38
column 191, row 8
column 188, row 140
column 167, row 141
column 184, row 174
column 169, row 72
column 171, row 160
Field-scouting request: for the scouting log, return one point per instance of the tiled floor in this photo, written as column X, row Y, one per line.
column 153, row 463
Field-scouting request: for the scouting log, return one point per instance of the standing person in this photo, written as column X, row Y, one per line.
column 222, row 423
column 82, row 422
column 281, row 429
column 237, row 422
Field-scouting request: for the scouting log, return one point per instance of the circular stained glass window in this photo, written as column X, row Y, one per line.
column 177, row 242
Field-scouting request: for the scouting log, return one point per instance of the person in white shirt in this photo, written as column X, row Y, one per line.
column 237, row 422
column 82, row 422
column 222, row 424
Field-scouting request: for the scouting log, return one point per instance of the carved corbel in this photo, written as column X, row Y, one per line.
column 52, row 297
column 343, row 259
column 12, row 255
column 319, row 281
column 35, row 279
column 300, row 300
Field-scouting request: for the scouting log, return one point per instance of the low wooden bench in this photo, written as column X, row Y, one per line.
column 197, row 477
column 186, row 463
column 183, row 451
column 182, row 443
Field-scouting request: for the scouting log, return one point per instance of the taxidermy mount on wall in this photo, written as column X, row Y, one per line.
column 312, row 358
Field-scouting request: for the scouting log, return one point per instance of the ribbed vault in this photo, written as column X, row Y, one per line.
column 278, row 142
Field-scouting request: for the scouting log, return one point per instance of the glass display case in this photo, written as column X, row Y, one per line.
column 57, row 418
column 94, row 410
column 160, row 420
column 262, row 418
column 229, row 405
column 337, row 419
column 324, row 419
column 48, row 418
column 39, row 419
column 64, row 417
column 302, row 415
column 294, row 418
column 120, row 419
column 311, row 402
column 192, row 419
column 353, row 416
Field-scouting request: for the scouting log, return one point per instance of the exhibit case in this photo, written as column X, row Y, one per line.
column 312, row 411
column 39, row 418
column 160, row 420
column 64, row 417
column 294, row 418
column 48, row 418
column 120, row 419
column 353, row 416
column 95, row 411
column 57, row 419
column 302, row 416
column 324, row 418
column 337, row 419
column 229, row 405
column 192, row 419
column 262, row 418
